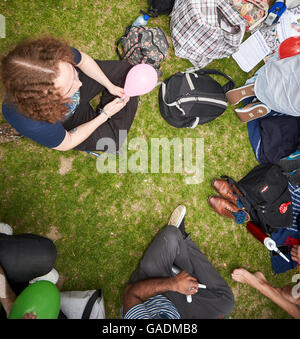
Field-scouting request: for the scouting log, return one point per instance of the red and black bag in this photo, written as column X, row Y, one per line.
column 266, row 197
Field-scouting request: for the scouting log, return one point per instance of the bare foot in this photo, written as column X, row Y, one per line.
column 281, row 297
column 260, row 276
column 245, row 277
column 242, row 275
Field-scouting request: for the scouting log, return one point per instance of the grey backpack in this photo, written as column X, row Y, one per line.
column 143, row 45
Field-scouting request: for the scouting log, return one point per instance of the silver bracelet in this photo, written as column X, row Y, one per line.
column 102, row 111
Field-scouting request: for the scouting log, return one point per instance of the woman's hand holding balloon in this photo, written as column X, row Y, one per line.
column 141, row 79
column 115, row 106
column 116, row 91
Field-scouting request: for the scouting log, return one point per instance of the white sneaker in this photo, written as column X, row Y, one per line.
column 52, row 276
column 177, row 216
column 5, row 229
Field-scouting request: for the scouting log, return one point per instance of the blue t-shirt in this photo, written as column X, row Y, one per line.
column 44, row 133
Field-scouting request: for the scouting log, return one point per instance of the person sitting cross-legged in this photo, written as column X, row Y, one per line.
column 156, row 292
column 48, row 89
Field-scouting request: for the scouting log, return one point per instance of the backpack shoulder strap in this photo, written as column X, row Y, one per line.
column 230, row 181
column 233, row 183
column 90, row 304
column 243, row 196
column 174, row 103
column 120, row 40
column 205, row 71
column 117, row 49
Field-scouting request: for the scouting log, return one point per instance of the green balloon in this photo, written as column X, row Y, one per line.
column 42, row 298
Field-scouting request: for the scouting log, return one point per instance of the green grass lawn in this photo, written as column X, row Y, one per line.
column 102, row 223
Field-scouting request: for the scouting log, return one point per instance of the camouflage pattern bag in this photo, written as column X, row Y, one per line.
column 143, row 45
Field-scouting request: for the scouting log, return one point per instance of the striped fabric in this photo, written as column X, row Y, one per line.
column 196, row 32
column 295, row 195
column 288, row 236
column 157, row 307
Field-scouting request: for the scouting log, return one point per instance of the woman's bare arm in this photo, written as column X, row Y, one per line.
column 89, row 66
column 76, row 136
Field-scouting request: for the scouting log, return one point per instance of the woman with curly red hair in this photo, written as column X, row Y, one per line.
column 49, row 86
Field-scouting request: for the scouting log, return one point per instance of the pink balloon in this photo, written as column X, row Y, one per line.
column 141, row 79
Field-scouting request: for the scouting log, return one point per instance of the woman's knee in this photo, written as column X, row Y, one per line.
column 49, row 252
column 26, row 256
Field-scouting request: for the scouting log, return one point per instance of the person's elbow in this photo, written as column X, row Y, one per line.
column 127, row 291
column 65, row 145
column 83, row 61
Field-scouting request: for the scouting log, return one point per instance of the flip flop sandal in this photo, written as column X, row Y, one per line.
column 236, row 95
column 291, row 162
column 252, row 111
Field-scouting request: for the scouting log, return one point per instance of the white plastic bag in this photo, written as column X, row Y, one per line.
column 83, row 304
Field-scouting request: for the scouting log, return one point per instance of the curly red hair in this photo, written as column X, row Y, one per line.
column 28, row 73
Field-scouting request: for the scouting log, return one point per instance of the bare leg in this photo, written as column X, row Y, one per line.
column 259, row 282
column 7, row 296
column 286, row 292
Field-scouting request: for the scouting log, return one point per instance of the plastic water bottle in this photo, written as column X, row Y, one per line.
column 141, row 20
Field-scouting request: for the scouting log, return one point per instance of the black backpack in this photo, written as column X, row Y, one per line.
column 159, row 7
column 192, row 98
column 266, row 197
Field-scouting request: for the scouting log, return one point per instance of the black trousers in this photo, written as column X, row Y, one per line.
column 116, row 72
column 169, row 248
column 24, row 257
